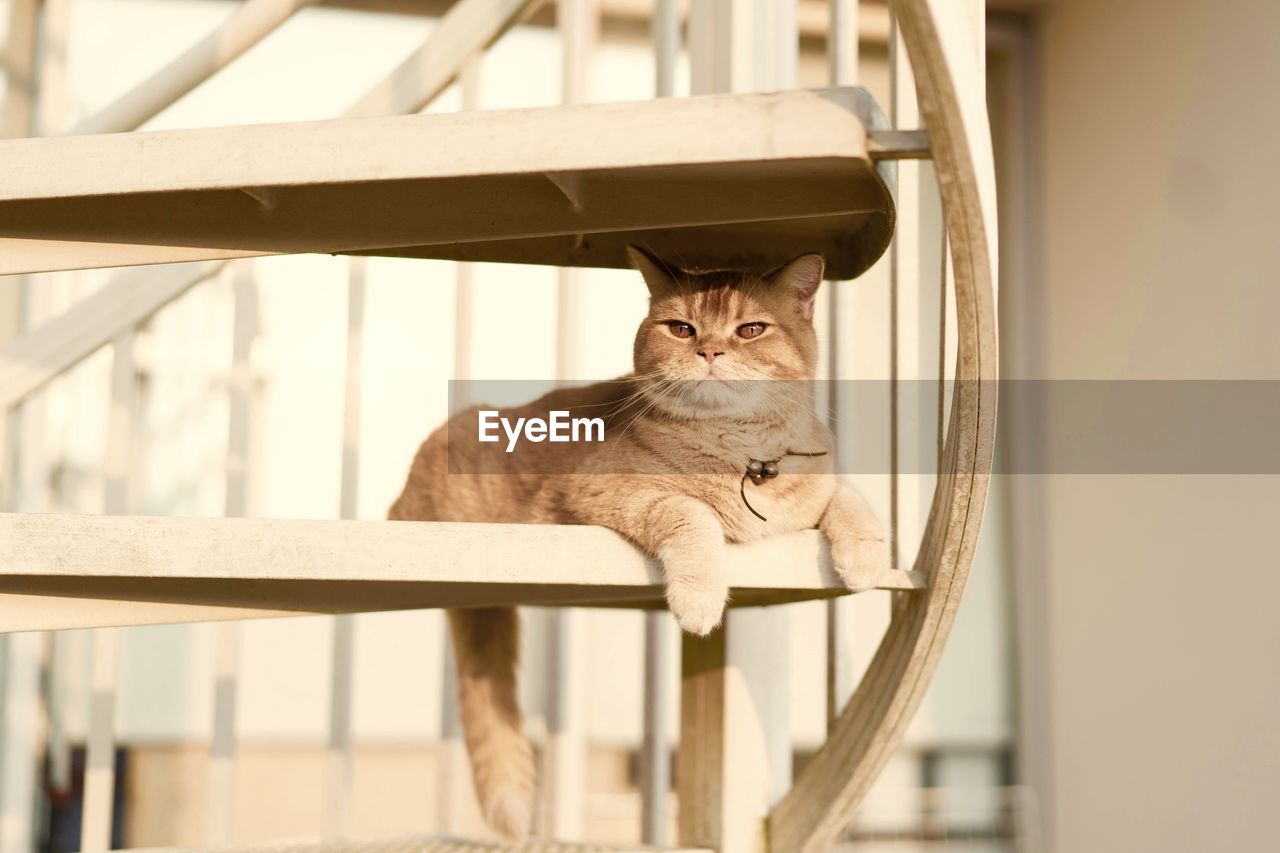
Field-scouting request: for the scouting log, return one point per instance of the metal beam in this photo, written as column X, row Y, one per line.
column 659, row 632
column 251, row 21
column 29, row 362
column 338, row 768
column 735, row 740
column 61, row 571
column 566, row 756
column 468, row 28
column 898, row 144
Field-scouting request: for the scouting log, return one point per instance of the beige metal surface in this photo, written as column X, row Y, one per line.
column 421, row 844
column 247, row 25
column 576, row 183
column 74, row 571
column 947, row 62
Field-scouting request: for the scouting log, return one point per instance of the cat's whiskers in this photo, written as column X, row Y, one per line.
column 806, row 407
column 658, row 394
column 807, row 404
column 630, row 398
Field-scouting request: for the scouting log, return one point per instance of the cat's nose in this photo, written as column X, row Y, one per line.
column 709, row 355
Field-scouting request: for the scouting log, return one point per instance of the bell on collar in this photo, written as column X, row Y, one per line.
column 760, row 470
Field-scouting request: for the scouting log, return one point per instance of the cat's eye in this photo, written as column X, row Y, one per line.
column 751, row 330
column 679, row 329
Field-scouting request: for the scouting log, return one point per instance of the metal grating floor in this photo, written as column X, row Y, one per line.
column 420, row 844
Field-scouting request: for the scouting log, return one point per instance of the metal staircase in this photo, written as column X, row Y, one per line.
column 716, row 180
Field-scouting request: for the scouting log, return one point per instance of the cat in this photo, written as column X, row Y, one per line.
column 668, row 476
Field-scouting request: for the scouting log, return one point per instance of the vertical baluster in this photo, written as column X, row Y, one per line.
column 56, row 701
column 842, row 70
column 908, row 347
column 34, row 57
column 338, row 770
column 975, row 12
column 655, row 755
column 100, row 760
column 735, row 747
column 916, row 264
column 19, row 734
column 453, row 799
column 339, row 759
column 19, row 653
column 18, row 114
column 566, row 747
column 220, row 815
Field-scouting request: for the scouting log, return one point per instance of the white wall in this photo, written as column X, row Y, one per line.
column 1160, row 127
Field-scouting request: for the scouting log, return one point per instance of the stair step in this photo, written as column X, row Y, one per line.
column 422, row 844
column 750, row 180
column 79, row 571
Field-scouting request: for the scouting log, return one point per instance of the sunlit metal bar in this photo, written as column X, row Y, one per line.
column 898, row 144
column 18, row 681
column 735, row 750
column 452, row 767
column 19, row 733
column 842, row 43
column 246, row 26
column 54, row 97
column 56, row 699
column 29, row 362
column 578, row 22
column 226, row 654
column 100, row 761
column 812, row 17
column 912, row 308
column 32, row 27
column 342, row 670
column 100, row 758
column 842, row 70
column 222, row 748
column 659, row 677
column 465, row 30
column 904, row 294
column 18, row 112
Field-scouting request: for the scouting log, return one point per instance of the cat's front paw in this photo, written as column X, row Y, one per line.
column 697, row 605
column 860, row 562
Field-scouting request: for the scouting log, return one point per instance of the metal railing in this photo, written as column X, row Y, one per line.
column 890, row 318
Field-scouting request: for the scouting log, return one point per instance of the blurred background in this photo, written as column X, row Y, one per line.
column 1112, row 683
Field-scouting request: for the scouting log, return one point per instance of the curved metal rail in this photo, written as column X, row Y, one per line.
column 950, row 90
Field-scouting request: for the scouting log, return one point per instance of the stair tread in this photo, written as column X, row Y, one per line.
column 751, row 180
column 69, row 571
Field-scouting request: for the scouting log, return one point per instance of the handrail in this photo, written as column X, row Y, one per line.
column 29, row 362
column 949, row 86
column 246, row 26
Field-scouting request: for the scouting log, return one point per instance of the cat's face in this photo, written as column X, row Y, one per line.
column 713, row 342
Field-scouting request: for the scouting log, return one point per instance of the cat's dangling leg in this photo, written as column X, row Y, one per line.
column 486, row 644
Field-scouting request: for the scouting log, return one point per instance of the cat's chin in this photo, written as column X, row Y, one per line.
column 713, row 398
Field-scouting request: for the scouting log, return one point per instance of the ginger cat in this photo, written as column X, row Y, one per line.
column 668, row 476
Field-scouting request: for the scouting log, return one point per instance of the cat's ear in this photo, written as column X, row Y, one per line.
column 803, row 275
column 658, row 275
